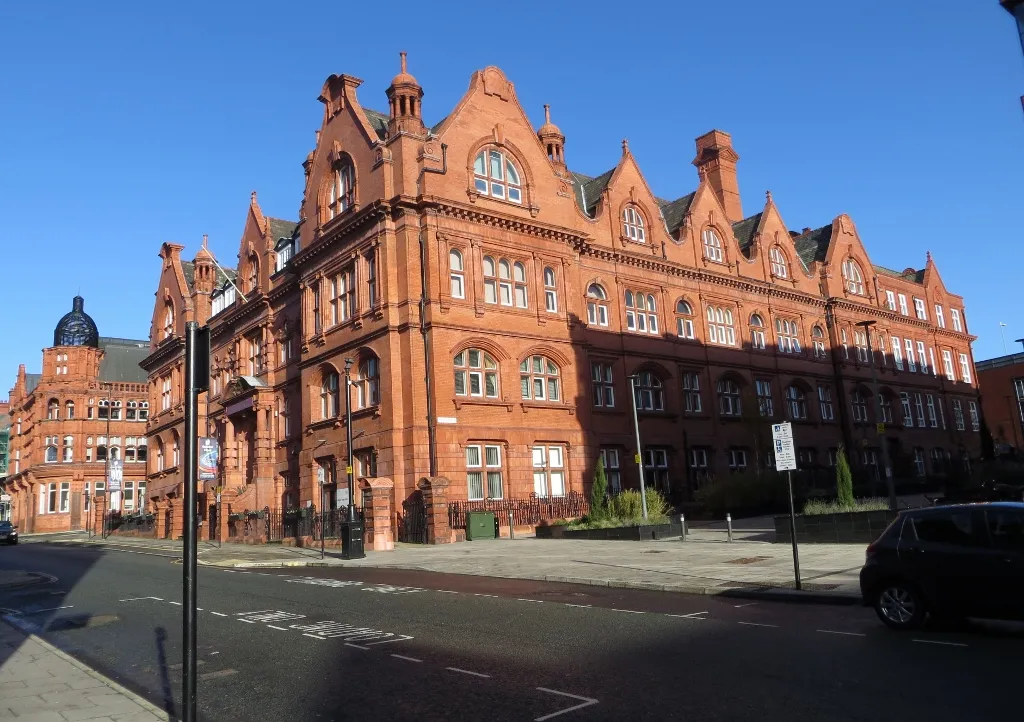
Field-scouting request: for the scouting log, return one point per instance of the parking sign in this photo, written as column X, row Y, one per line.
column 785, row 454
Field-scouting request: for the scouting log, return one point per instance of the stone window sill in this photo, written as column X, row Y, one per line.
column 470, row 401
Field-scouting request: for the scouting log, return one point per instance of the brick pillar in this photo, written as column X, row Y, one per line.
column 222, row 515
column 99, row 505
column 377, row 493
column 177, row 519
column 435, row 502
column 160, row 510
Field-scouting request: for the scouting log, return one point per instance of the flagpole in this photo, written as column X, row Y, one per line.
column 1003, row 336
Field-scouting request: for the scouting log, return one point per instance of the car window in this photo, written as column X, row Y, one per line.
column 949, row 528
column 1006, row 529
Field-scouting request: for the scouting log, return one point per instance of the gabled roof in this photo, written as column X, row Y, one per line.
column 909, row 275
column 378, row 121
column 675, row 211
column 588, row 190
column 744, row 231
column 121, row 358
column 813, row 245
column 189, row 270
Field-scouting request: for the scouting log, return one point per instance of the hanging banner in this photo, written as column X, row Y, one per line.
column 209, row 453
column 115, row 472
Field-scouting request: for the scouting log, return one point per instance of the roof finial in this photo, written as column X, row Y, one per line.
column 206, row 236
column 625, row 146
column 252, row 197
column 768, row 196
column 928, row 255
column 547, row 113
column 402, row 55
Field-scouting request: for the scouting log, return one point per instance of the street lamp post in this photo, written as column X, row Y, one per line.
column 348, row 432
column 879, row 425
column 639, row 448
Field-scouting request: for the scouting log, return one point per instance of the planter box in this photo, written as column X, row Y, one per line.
column 859, row 527
column 619, row 533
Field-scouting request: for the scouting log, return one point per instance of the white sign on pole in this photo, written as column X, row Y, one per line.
column 785, row 454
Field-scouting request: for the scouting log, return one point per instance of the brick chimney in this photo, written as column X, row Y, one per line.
column 716, row 161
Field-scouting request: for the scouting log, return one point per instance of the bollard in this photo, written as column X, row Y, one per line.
column 682, row 528
column 511, row 529
column 728, row 522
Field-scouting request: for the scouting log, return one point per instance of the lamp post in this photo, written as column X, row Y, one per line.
column 639, row 449
column 879, row 425
column 348, row 433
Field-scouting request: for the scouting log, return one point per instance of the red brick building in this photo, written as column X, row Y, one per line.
column 494, row 304
column 89, row 402
column 1001, row 381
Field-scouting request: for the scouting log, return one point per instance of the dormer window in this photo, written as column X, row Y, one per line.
column 712, row 246
column 495, row 175
column 340, row 193
column 633, row 224
column 780, row 269
column 852, row 277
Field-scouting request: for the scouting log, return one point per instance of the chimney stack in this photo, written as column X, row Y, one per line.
column 716, row 161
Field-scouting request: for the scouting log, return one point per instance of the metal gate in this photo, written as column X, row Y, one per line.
column 412, row 523
column 76, row 512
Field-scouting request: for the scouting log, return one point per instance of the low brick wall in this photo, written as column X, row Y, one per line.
column 861, row 527
column 620, row 533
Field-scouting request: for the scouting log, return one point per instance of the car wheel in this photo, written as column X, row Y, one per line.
column 900, row 606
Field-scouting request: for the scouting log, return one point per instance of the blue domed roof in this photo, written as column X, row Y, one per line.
column 76, row 328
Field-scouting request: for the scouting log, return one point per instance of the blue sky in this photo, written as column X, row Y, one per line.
column 129, row 124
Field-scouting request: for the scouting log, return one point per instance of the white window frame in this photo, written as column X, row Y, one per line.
column 721, row 330
column 965, row 368
column 503, row 182
column 486, row 469
column 684, row 320
column 603, row 387
column 796, row 403
column 787, row 336
column 730, row 402
column 920, row 309
column 903, row 305
column 958, row 414
column 779, row 264
column 550, row 290
column 457, row 273
column 818, row 339
column 825, row 403
column 933, row 417
column 757, row 340
column 612, row 470
column 765, row 403
column 853, row 277
column 897, row 353
column 890, row 300
column 597, row 305
column 922, row 357
column 548, row 471
column 476, row 379
column 908, row 345
column 919, row 406
column 957, row 322
column 633, row 224
column 908, row 411
column 712, row 246
column 972, row 409
column 939, row 317
column 691, row 392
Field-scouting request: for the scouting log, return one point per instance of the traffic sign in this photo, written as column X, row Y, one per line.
column 880, row 428
column 785, row 454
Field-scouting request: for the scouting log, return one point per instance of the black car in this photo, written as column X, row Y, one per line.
column 8, row 533
column 948, row 561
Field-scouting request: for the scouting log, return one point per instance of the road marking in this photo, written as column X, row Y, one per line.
column 283, row 629
column 628, row 611
column 177, row 604
column 219, row 614
column 357, row 646
column 217, row 674
column 535, row 601
column 585, row 702
column 756, row 624
column 228, row 571
column 692, row 615
column 407, row 659
column 399, row 638
column 247, row 621
column 581, row 606
column 51, row 609
column 936, row 641
column 447, row 591
column 466, row 671
column 833, row 631
column 313, row 636
column 740, row 606
column 212, row 653
column 136, row 599
column 477, row 594
column 246, row 614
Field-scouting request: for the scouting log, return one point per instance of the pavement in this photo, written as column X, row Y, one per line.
column 706, row 563
column 345, row 643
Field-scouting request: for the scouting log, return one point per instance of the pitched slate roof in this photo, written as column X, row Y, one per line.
column 378, row 121
column 909, row 275
column 121, row 357
column 280, row 228
column 31, row 381
column 675, row 211
column 744, row 231
column 813, row 245
column 189, row 270
column 588, row 190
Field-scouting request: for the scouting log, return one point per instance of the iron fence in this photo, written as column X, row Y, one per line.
column 525, row 512
column 302, row 523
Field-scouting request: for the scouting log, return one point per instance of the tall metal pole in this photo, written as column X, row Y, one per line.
column 639, row 449
column 893, row 503
column 348, row 432
column 196, row 379
column 792, row 530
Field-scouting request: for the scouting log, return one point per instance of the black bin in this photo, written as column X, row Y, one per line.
column 352, row 535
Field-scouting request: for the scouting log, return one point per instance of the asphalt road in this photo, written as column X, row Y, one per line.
column 335, row 644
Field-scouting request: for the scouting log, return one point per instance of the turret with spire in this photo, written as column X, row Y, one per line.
column 553, row 141
column 404, row 97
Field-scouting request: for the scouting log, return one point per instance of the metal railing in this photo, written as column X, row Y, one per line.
column 525, row 512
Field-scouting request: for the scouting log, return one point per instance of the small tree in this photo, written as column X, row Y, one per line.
column 844, row 479
column 599, row 493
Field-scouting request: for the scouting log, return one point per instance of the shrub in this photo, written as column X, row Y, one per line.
column 816, row 507
column 844, row 479
column 627, row 508
column 599, row 493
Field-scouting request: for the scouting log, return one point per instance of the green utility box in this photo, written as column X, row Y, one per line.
column 479, row 525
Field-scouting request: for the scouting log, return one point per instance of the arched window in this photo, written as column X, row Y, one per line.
column 641, row 312
column 175, row 452
column 495, row 175
column 712, row 245
column 797, row 403
column 519, row 278
column 780, row 268
column 787, row 335
column 633, row 224
column 729, row 402
column 69, row 449
column 341, row 192
column 367, row 383
column 254, row 274
column 168, row 319
column 159, row 454
column 501, row 286
column 550, row 290
column 539, row 379
column 853, row 277
column 476, row 374
column 51, row 449
column 647, row 388
column 69, row 409
column 53, row 409
column 859, row 406
column 456, row 268
column 756, row 332
column 684, row 319
column 597, row 309
column 329, row 396
column 720, row 326
column 818, row 339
